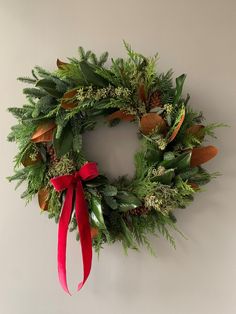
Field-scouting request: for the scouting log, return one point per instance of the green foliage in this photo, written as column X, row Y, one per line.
column 74, row 96
column 210, row 128
column 35, row 177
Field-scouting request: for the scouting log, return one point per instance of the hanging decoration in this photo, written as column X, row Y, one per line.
column 63, row 104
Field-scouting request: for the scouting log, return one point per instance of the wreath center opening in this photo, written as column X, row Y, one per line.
column 113, row 148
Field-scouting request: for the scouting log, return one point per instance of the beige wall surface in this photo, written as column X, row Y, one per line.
column 194, row 37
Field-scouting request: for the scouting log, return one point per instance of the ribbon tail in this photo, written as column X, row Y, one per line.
column 62, row 238
column 82, row 217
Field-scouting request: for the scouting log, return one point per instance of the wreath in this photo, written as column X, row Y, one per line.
column 63, row 104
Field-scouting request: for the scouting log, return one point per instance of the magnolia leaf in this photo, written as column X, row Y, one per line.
column 44, row 132
column 64, row 143
column 61, row 64
column 109, row 190
column 201, row 155
column 111, row 202
column 167, row 177
column 127, row 201
column 98, row 181
column 68, row 100
column 68, row 105
column 49, row 86
column 120, row 115
column 179, row 87
column 94, row 232
column 193, row 185
column 177, row 125
column 90, row 76
column 184, row 162
column 150, row 121
column 28, row 161
column 197, row 130
column 179, row 161
column 96, row 212
column 43, row 195
column 153, row 155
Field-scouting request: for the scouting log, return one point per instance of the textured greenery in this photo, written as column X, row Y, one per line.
column 126, row 210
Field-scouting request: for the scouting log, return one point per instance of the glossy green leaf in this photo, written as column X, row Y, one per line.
column 184, row 162
column 96, row 212
column 98, row 181
column 153, row 156
column 90, row 76
column 127, row 201
column 109, row 190
column 167, row 177
column 64, row 143
column 179, row 87
column 49, row 86
column 173, row 163
column 111, row 202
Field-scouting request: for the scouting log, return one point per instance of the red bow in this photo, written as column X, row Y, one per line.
column 73, row 183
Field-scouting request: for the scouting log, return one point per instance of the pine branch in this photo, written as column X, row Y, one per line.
column 27, row 80
column 34, row 92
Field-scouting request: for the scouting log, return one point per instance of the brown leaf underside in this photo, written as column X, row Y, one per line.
column 67, row 102
column 60, row 64
column 44, row 132
column 201, row 155
column 120, row 115
column 150, row 121
column 43, row 195
column 27, row 161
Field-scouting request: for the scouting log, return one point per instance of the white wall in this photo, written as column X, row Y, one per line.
column 196, row 37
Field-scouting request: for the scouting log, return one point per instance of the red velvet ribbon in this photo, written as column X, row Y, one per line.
column 73, row 184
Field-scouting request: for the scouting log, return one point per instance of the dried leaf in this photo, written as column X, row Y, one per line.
column 70, row 94
column 193, row 185
column 142, row 93
column 60, row 64
column 43, row 195
column 68, row 105
column 27, row 161
column 67, row 101
column 201, row 155
column 120, row 115
column 44, row 132
column 94, row 232
column 197, row 130
column 177, row 128
column 150, row 121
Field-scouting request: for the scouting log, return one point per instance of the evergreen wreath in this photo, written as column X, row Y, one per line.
column 63, row 104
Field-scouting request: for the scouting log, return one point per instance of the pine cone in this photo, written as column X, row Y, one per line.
column 155, row 100
column 139, row 211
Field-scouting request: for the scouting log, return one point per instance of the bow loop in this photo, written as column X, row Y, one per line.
column 88, row 171
column 62, row 182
